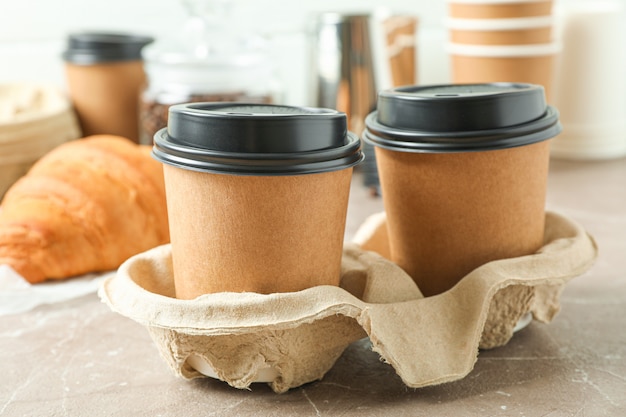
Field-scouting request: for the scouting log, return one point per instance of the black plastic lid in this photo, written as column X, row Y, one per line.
column 256, row 139
column 88, row 48
column 461, row 117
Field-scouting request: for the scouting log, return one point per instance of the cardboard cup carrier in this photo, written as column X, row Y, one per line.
column 463, row 172
column 105, row 75
column 257, row 196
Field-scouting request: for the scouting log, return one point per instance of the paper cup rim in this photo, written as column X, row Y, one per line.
column 515, row 23
column 400, row 140
column 461, row 118
column 261, row 164
column 95, row 47
column 256, row 139
column 504, row 51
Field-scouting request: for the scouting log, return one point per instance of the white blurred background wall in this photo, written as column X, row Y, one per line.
column 32, row 32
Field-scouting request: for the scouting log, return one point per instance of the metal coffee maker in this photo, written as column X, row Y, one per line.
column 353, row 56
column 343, row 66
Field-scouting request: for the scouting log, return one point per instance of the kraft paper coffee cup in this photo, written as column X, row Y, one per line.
column 105, row 75
column 257, row 196
column 532, row 64
column 494, row 9
column 514, row 31
column 463, row 172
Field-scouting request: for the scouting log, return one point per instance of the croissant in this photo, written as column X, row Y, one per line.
column 86, row 206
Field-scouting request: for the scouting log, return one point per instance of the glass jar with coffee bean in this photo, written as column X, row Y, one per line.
column 211, row 61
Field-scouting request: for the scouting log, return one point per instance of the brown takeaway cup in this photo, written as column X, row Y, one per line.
column 532, row 64
column 105, row 75
column 257, row 196
column 463, row 171
column 513, row 31
column 494, row 9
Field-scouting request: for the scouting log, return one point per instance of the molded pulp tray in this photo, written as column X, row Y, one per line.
column 289, row 339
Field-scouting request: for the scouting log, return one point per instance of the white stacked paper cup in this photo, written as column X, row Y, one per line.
column 502, row 41
column 591, row 87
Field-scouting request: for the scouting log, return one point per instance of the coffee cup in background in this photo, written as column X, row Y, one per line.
column 463, row 171
column 257, row 196
column 105, row 75
column 495, row 9
column 502, row 41
column 512, row 31
column 532, row 64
